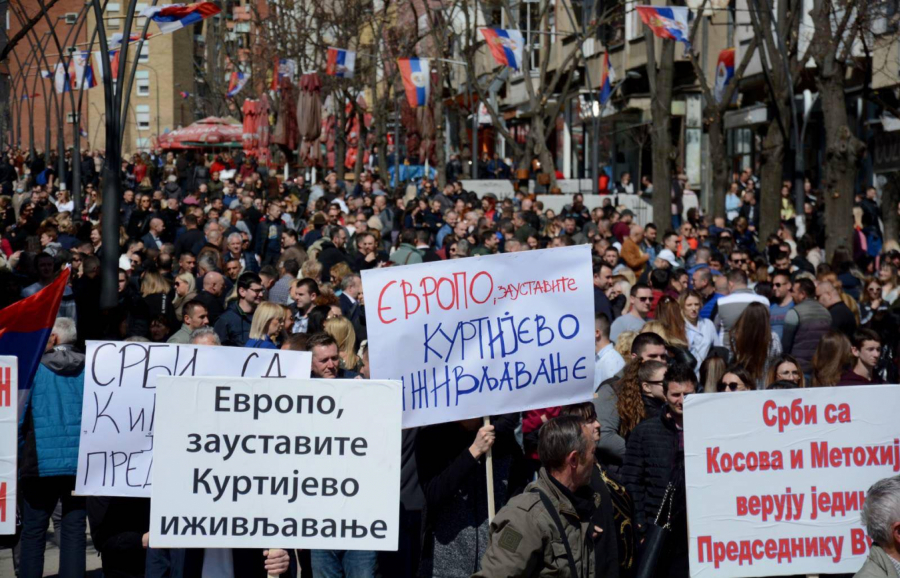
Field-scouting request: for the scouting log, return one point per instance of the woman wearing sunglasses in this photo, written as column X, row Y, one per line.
column 736, row 378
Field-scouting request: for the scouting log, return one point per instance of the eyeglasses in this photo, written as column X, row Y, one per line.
column 738, row 261
column 645, row 299
column 776, row 285
column 874, row 289
column 730, row 386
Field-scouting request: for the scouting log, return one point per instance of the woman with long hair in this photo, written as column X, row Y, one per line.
column 711, row 371
column 342, row 330
column 668, row 312
column 890, row 285
column 185, row 290
column 872, row 305
column 736, row 378
column 155, row 302
column 753, row 343
column 641, row 395
column 785, row 368
column 701, row 333
column 265, row 329
column 832, row 356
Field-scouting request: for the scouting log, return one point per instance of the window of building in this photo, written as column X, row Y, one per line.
column 142, row 116
column 71, row 118
column 142, row 81
column 740, row 148
column 112, row 9
column 530, row 25
column 145, row 52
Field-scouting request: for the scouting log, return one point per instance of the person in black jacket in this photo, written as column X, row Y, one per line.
column 654, row 461
column 268, row 235
column 450, row 460
column 120, row 530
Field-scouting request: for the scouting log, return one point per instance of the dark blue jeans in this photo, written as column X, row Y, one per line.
column 40, row 496
column 343, row 563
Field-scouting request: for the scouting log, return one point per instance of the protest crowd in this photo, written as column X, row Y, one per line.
column 683, row 306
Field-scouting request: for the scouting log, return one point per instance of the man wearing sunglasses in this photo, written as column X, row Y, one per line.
column 784, row 302
column 641, row 301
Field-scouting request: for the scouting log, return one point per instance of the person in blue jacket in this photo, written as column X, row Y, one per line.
column 48, row 456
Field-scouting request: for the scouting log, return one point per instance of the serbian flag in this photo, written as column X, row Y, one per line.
column 185, row 94
column 84, row 70
column 340, row 62
column 65, row 78
column 97, row 66
column 416, row 73
column 237, row 82
column 172, row 17
column 284, row 68
column 724, row 72
column 609, row 76
column 506, row 46
column 25, row 328
column 670, row 22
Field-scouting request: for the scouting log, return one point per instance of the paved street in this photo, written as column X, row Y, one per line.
column 51, row 560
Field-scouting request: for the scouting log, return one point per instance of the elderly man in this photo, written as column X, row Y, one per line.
column 881, row 515
column 634, row 257
column 235, row 252
column 211, row 296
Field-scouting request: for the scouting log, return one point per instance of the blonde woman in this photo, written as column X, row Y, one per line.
column 342, row 330
column 266, row 327
column 155, row 304
column 185, row 290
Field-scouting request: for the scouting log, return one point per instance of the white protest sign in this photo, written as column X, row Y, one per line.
column 778, row 488
column 262, row 463
column 9, row 435
column 485, row 335
column 115, row 454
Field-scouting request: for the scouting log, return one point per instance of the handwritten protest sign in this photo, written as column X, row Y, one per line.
column 475, row 337
column 9, row 431
column 115, row 454
column 779, row 488
column 257, row 463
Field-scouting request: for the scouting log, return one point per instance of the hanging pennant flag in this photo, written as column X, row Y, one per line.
column 724, row 72
column 172, row 17
column 416, row 73
column 184, row 94
column 284, row 68
column 609, row 77
column 97, row 66
column 669, row 22
column 46, row 74
column 84, row 70
column 64, row 79
column 237, row 82
column 83, row 132
column 340, row 63
column 506, row 46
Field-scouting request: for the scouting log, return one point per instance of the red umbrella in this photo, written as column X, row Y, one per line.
column 210, row 131
column 309, row 119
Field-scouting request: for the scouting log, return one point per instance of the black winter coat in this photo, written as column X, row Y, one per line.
column 654, row 458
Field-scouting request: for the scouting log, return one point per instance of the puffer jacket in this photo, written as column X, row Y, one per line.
column 51, row 422
column 814, row 323
column 525, row 541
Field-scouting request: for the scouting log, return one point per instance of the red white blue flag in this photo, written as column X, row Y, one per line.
column 340, row 63
column 724, row 72
column 172, row 17
column 668, row 22
column 609, row 76
column 237, row 82
column 506, row 46
column 25, row 327
column 284, row 68
column 416, row 73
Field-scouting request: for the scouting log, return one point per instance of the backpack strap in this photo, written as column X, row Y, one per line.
column 562, row 533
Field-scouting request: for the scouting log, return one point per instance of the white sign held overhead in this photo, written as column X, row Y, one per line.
column 9, row 431
column 262, row 463
column 483, row 336
column 119, row 410
column 782, row 492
